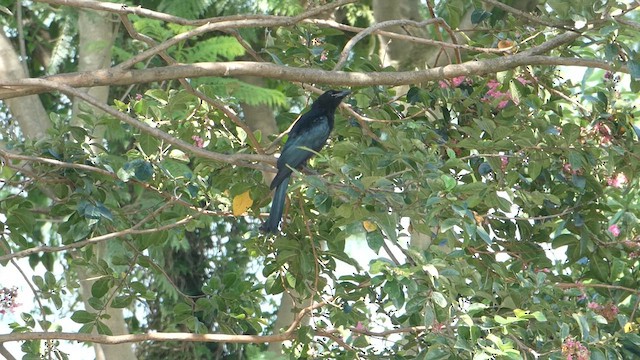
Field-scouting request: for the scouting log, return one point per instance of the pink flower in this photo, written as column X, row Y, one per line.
column 138, row 97
column 360, row 326
column 574, row 350
column 458, row 80
column 614, row 230
column 593, row 305
column 8, row 300
column 494, row 93
column 608, row 311
column 617, row 181
column 197, row 140
column 504, row 161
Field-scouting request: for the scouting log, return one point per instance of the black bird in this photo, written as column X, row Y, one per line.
column 311, row 131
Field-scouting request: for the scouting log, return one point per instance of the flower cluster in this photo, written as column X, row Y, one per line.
column 617, row 181
column 494, row 93
column 608, row 311
column 574, row 350
column 614, row 230
column 197, row 141
column 455, row 82
column 8, row 299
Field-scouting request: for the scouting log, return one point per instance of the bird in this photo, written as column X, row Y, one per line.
column 307, row 137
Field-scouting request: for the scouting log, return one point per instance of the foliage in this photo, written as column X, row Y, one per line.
column 501, row 212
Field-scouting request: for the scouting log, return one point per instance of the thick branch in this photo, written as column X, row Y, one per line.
column 289, row 334
column 12, row 89
column 266, row 70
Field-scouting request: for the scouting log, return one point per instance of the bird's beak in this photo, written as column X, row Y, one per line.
column 343, row 94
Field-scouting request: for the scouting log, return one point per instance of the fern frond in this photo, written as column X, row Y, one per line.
column 188, row 9
column 242, row 91
column 285, row 7
column 212, row 49
column 64, row 47
column 152, row 28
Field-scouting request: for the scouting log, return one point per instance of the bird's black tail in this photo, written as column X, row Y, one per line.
column 277, row 207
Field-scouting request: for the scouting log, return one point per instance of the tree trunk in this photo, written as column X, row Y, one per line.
column 97, row 33
column 27, row 110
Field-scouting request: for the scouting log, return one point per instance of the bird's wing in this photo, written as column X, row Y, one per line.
column 313, row 137
column 295, row 151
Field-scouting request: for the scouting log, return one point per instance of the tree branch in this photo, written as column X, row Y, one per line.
column 344, row 55
column 159, row 336
column 65, row 82
column 96, row 239
column 215, row 103
column 234, row 159
column 527, row 16
column 223, row 23
column 258, row 20
column 16, row 88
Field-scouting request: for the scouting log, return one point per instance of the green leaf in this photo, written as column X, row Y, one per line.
column 479, row 15
column 121, row 301
column 139, row 169
column 439, row 299
column 101, row 287
column 83, row 317
column 435, row 353
column 96, row 303
column 449, row 182
column 634, row 69
column 94, row 211
column 389, row 223
column 102, row 328
column 375, row 240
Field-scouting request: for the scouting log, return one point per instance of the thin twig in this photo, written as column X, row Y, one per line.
column 187, row 86
column 316, row 260
column 404, row 37
column 527, row 16
column 387, row 249
column 568, row 211
column 33, row 290
column 412, row 329
column 447, row 28
column 140, row 11
column 187, row 298
column 21, row 41
column 7, row 155
column 338, row 340
column 344, row 55
column 580, row 285
column 4, row 352
column 96, row 239
column 235, row 159
column 220, row 25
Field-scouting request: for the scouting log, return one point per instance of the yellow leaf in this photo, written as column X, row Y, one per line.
column 503, row 44
column 479, row 218
column 369, row 226
column 241, row 203
column 629, row 327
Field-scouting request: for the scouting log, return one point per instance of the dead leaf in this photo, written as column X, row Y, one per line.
column 241, row 203
column 369, row 226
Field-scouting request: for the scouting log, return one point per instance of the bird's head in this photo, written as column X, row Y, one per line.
column 331, row 99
